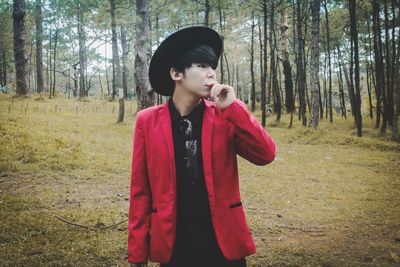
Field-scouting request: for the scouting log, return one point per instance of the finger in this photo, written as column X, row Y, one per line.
column 217, row 90
column 214, row 90
column 211, row 83
column 212, row 93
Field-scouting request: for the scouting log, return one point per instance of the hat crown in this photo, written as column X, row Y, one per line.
column 173, row 48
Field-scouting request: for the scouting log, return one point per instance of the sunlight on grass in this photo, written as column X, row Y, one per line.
column 329, row 199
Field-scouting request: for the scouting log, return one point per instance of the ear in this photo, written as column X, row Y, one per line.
column 175, row 74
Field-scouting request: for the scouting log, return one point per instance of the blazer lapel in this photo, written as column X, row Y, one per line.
column 165, row 120
column 206, row 141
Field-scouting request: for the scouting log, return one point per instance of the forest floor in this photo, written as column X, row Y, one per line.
column 329, row 198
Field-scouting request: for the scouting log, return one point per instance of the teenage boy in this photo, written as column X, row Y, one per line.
column 185, row 206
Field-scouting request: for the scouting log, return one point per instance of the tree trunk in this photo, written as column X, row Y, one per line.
column 48, row 67
column 294, row 43
column 82, row 54
column 20, row 56
column 341, row 90
column 273, row 72
column 106, row 68
column 379, row 72
column 125, row 71
column 369, row 69
column 207, row 13
column 354, row 40
column 238, row 86
column 305, row 61
column 39, row 47
column 314, row 112
column 328, row 43
column 221, row 65
column 54, row 62
column 69, row 83
column 253, row 82
column 388, row 63
column 159, row 97
column 260, row 38
column 30, row 65
column 395, row 133
column 144, row 92
column 3, row 66
column 287, row 69
column 300, row 66
column 325, row 86
column 264, row 79
column 395, row 73
column 117, row 77
column 347, row 80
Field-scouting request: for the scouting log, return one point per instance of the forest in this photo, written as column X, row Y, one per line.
column 310, row 59
column 321, row 76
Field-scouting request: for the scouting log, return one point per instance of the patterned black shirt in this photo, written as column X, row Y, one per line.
column 195, row 234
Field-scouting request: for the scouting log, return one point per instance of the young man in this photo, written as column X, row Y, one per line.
column 185, row 207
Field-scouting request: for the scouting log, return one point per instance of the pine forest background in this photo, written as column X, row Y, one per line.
column 321, row 76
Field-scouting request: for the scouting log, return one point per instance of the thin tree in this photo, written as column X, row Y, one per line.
column 253, row 82
column 369, row 69
column 117, row 77
column 125, row 52
column 53, row 87
column 106, row 68
column 39, row 47
column 287, row 69
column 396, row 77
column 328, row 44
column 314, row 112
column 354, row 40
column 378, row 60
column 273, row 65
column 207, row 13
column 388, row 63
column 20, row 56
column 261, row 58
column 82, row 52
column 301, row 83
column 265, row 67
column 144, row 92
column 3, row 67
column 347, row 80
column 341, row 94
column 221, row 29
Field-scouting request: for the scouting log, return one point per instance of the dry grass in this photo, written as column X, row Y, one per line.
column 329, row 199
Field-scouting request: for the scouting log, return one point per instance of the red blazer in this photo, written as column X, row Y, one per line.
column 153, row 182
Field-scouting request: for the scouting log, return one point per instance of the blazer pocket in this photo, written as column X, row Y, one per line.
column 235, row 205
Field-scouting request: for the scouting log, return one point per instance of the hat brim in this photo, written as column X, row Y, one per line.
column 171, row 51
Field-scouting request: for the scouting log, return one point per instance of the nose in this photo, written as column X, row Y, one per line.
column 211, row 73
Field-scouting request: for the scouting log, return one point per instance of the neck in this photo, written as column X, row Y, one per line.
column 183, row 101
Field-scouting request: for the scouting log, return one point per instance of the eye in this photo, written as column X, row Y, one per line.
column 202, row 65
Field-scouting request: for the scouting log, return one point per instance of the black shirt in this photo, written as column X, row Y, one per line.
column 195, row 233
column 195, row 243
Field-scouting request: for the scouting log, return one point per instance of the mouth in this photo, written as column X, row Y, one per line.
column 209, row 84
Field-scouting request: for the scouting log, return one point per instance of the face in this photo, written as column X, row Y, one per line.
column 195, row 78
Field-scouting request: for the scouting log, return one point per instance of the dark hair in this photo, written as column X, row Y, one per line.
column 202, row 54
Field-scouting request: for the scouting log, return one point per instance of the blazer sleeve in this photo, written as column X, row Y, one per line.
column 140, row 199
column 252, row 141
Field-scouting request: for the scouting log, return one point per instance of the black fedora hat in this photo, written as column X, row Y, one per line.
column 171, row 51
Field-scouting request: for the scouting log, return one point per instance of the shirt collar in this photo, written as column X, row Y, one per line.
column 195, row 115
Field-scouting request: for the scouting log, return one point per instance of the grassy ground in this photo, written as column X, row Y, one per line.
column 329, row 199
